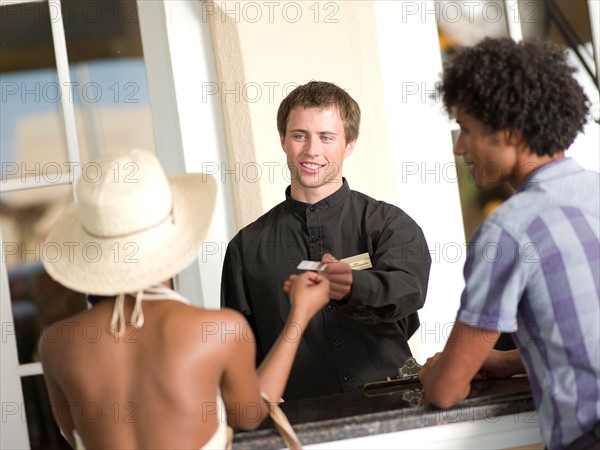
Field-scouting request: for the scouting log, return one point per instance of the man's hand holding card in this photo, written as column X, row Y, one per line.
column 338, row 272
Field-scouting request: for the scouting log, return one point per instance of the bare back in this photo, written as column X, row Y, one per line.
column 155, row 386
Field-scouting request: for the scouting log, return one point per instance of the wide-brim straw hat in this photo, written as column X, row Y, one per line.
column 131, row 226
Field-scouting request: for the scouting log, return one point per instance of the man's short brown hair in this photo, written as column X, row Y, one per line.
column 321, row 94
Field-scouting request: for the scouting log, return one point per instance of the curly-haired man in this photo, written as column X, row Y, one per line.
column 533, row 266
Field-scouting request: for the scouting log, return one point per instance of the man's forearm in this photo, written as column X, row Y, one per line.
column 379, row 296
column 501, row 364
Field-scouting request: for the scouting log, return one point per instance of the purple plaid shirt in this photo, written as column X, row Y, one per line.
column 533, row 269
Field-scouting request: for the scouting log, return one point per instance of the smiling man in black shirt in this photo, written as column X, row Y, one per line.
column 376, row 256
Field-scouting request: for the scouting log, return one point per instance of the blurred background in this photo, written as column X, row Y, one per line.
column 112, row 111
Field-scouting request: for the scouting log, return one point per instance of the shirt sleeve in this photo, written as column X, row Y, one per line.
column 396, row 286
column 496, row 274
column 233, row 291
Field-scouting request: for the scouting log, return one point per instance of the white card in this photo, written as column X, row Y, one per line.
column 311, row 265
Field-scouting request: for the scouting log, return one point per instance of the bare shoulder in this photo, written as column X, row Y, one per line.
column 61, row 336
column 226, row 325
column 63, row 330
column 223, row 315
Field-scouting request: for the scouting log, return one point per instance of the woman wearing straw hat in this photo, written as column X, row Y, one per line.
column 143, row 368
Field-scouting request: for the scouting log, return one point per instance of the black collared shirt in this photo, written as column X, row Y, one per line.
column 349, row 343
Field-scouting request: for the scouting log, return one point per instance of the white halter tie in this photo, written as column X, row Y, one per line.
column 137, row 316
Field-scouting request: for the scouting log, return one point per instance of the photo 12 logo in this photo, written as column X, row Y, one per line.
column 251, row 92
column 72, row 91
column 270, row 12
column 69, row 12
column 53, row 252
column 54, row 172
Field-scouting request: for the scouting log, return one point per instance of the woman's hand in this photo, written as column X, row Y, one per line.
column 308, row 293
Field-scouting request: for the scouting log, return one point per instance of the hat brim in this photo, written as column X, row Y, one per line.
column 110, row 266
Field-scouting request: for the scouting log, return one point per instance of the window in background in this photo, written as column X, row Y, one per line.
column 108, row 93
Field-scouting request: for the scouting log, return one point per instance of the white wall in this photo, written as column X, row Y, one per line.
column 380, row 54
column 188, row 125
column 421, row 147
column 262, row 55
column 585, row 148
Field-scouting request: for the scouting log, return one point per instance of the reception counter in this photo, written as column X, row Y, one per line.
column 497, row 414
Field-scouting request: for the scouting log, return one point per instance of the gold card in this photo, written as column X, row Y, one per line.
column 359, row 262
